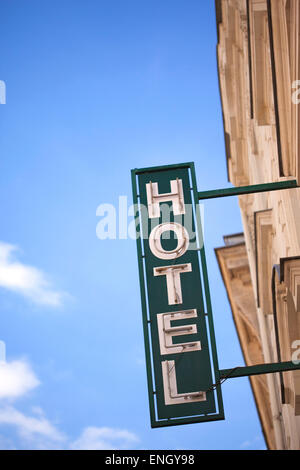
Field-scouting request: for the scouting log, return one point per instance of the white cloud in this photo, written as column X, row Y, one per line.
column 35, row 431
column 16, row 379
column 104, row 438
column 252, row 443
column 31, row 427
column 26, row 280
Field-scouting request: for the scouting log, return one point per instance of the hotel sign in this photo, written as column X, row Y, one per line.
column 181, row 357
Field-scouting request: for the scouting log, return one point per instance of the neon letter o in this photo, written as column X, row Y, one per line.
column 182, row 239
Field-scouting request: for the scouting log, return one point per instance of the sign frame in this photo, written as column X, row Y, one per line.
column 216, row 390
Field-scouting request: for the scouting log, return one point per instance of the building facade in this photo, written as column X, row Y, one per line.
column 258, row 57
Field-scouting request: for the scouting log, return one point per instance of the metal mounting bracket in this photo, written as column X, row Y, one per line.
column 254, row 188
column 244, row 371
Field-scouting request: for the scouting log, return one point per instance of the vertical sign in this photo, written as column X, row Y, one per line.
column 181, row 358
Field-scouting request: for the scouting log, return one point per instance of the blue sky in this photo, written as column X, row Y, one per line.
column 95, row 88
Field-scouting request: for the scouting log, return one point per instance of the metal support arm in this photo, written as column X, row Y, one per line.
column 254, row 188
column 258, row 369
column 238, row 191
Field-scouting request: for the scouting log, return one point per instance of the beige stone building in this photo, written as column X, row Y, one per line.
column 259, row 72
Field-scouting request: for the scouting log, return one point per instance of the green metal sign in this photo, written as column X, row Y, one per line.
column 181, row 356
column 184, row 379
